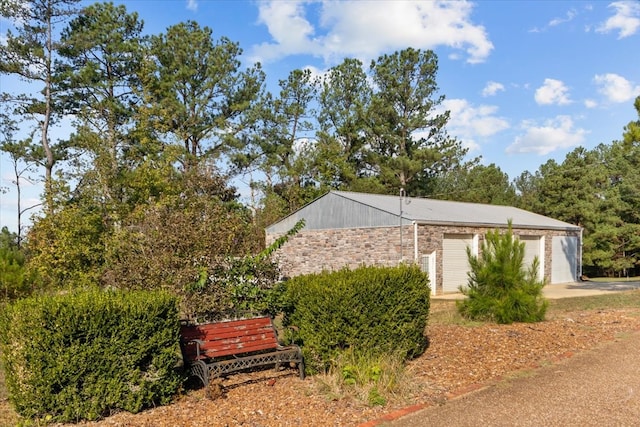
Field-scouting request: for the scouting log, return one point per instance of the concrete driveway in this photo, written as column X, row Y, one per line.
column 573, row 289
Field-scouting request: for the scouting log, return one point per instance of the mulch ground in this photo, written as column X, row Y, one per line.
column 459, row 358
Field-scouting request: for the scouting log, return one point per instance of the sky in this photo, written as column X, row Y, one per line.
column 524, row 81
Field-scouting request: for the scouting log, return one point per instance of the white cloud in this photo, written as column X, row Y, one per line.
column 590, row 103
column 290, row 30
column 469, row 123
column 554, row 134
column 492, row 88
column 365, row 29
column 571, row 13
column 552, row 92
column 569, row 17
column 616, row 88
column 626, row 20
column 192, row 5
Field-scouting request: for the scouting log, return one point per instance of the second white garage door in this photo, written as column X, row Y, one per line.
column 533, row 247
column 455, row 264
column 564, row 259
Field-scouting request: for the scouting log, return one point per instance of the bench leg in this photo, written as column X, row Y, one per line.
column 199, row 369
column 301, row 368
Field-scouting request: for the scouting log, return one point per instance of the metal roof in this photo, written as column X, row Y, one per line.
column 342, row 209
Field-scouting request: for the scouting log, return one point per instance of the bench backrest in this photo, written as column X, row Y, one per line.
column 227, row 338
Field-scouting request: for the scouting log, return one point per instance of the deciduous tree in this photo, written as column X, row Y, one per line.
column 29, row 54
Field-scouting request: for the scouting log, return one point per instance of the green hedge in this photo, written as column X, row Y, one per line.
column 86, row 354
column 371, row 310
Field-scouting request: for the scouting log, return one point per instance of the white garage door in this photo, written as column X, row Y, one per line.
column 564, row 259
column 533, row 247
column 455, row 264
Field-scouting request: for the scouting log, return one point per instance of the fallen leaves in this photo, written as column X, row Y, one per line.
column 458, row 358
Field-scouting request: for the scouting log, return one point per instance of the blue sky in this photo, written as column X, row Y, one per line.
column 525, row 81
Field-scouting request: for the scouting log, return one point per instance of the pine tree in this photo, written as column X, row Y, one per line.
column 501, row 287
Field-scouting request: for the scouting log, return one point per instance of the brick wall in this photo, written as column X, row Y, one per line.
column 312, row 251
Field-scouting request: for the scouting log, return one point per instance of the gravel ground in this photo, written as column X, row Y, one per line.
column 458, row 360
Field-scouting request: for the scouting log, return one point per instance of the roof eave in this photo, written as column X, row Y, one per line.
column 494, row 225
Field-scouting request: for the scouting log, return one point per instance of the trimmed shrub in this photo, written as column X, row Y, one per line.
column 370, row 310
column 500, row 288
column 87, row 354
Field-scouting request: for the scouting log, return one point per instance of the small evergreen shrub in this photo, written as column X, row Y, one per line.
column 370, row 310
column 500, row 288
column 15, row 280
column 86, row 354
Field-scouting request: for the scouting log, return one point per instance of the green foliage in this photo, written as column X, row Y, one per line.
column 631, row 134
column 604, row 202
column 234, row 287
column 15, row 281
column 242, row 285
column 372, row 379
column 196, row 91
column 370, row 310
column 404, row 104
column 30, row 54
column 475, row 184
column 66, row 247
column 102, row 55
column 343, row 98
column 499, row 287
column 194, row 245
column 84, row 355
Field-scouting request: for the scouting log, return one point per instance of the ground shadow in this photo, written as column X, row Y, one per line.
column 605, row 286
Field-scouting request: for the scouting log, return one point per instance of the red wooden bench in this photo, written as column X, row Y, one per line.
column 215, row 349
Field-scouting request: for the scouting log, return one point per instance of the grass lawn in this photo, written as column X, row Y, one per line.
column 444, row 312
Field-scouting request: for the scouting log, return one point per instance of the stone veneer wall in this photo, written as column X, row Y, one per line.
column 312, row 251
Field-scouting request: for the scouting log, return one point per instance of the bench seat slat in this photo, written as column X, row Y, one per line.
column 261, row 334
column 235, row 350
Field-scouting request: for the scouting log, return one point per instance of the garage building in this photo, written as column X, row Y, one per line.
column 353, row 229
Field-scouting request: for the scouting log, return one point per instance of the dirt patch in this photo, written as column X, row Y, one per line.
column 457, row 360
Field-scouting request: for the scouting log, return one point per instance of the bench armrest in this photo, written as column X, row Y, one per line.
column 198, row 343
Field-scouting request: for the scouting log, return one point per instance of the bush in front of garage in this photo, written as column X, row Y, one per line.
column 500, row 287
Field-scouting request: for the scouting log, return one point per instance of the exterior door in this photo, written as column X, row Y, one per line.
column 428, row 265
column 533, row 247
column 455, row 264
column 564, row 259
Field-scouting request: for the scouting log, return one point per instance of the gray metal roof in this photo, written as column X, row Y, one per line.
column 342, row 209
